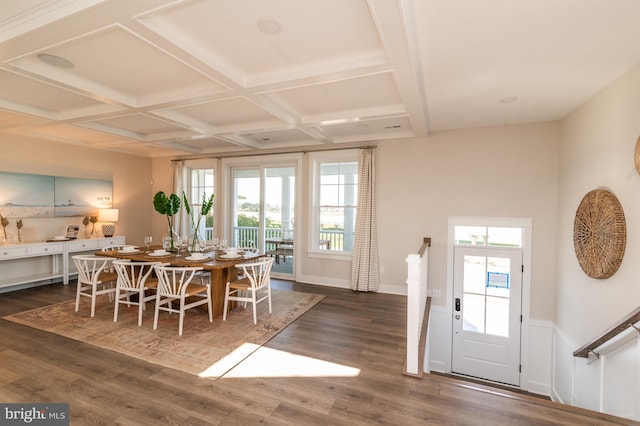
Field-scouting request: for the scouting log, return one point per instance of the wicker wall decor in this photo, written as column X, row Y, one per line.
column 599, row 234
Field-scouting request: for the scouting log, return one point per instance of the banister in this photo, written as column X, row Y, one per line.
column 418, row 311
column 629, row 321
column 426, row 242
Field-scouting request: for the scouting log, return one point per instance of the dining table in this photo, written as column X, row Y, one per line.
column 220, row 267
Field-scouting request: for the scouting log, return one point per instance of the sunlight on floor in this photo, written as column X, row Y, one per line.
column 266, row 362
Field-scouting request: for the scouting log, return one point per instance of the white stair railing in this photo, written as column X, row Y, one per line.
column 417, row 312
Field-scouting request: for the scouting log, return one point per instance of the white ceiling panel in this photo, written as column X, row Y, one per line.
column 185, row 77
column 140, row 126
column 35, row 97
column 223, row 114
column 272, row 40
column 332, row 100
column 387, row 128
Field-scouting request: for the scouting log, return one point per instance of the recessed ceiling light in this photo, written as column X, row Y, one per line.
column 55, row 61
column 509, row 100
column 269, row 27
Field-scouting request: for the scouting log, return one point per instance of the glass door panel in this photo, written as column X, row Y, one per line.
column 263, row 213
column 247, row 211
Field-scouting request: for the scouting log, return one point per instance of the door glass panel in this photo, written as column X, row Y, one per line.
column 498, row 316
column 247, row 218
column 486, row 295
column 470, row 235
column 507, row 237
column 474, row 274
column 473, row 313
column 279, row 217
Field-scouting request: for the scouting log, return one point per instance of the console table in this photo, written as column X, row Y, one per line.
column 44, row 262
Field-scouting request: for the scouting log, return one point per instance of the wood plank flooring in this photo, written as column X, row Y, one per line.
column 346, row 331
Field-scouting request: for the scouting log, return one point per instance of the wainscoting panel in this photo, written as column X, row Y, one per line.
column 539, row 358
column 609, row 384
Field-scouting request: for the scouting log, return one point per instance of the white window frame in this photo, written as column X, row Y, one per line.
column 315, row 160
column 189, row 166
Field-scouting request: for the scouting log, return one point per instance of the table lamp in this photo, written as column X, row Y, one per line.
column 108, row 217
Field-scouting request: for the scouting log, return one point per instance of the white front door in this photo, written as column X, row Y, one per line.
column 487, row 313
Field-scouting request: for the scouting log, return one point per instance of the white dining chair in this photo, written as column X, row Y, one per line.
column 134, row 278
column 175, row 285
column 253, row 287
column 94, row 279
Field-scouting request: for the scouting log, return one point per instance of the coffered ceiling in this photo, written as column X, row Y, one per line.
column 167, row 77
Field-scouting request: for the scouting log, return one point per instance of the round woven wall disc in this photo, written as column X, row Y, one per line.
column 599, row 234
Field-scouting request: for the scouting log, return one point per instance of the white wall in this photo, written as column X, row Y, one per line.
column 497, row 172
column 598, row 142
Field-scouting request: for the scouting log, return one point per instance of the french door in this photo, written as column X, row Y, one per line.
column 487, row 313
column 263, row 212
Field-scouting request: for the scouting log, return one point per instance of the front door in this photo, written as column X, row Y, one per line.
column 487, row 313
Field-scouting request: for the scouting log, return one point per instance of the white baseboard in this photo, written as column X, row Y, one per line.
column 340, row 283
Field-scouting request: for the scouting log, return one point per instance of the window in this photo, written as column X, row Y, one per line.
column 488, row 236
column 335, row 200
column 201, row 184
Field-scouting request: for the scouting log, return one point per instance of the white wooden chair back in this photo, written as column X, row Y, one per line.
column 132, row 275
column 89, row 267
column 174, row 284
column 94, row 279
column 173, row 280
column 258, row 272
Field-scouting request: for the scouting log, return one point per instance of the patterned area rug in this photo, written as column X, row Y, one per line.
column 207, row 349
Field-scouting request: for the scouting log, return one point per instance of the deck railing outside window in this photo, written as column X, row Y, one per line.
column 247, row 236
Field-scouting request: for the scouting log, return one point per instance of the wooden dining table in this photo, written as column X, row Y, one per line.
column 220, row 269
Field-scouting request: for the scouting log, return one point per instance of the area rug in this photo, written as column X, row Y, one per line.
column 207, row 349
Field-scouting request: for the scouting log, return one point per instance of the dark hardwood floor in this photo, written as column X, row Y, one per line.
column 363, row 331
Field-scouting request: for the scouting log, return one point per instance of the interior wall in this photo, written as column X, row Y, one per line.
column 130, row 176
column 494, row 172
column 597, row 151
column 498, row 172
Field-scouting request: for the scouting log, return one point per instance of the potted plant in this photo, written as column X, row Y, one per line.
column 207, row 204
column 169, row 206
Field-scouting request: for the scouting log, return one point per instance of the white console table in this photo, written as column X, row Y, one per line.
column 31, row 263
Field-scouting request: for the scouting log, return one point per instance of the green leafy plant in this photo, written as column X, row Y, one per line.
column 168, row 206
column 207, row 205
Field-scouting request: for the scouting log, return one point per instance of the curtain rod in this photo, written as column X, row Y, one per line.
column 252, row 154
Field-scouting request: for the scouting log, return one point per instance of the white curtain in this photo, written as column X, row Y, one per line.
column 365, row 270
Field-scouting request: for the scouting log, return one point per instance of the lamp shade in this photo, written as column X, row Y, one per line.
column 108, row 215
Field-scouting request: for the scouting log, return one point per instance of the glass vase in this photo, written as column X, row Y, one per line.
column 196, row 242
column 171, row 241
